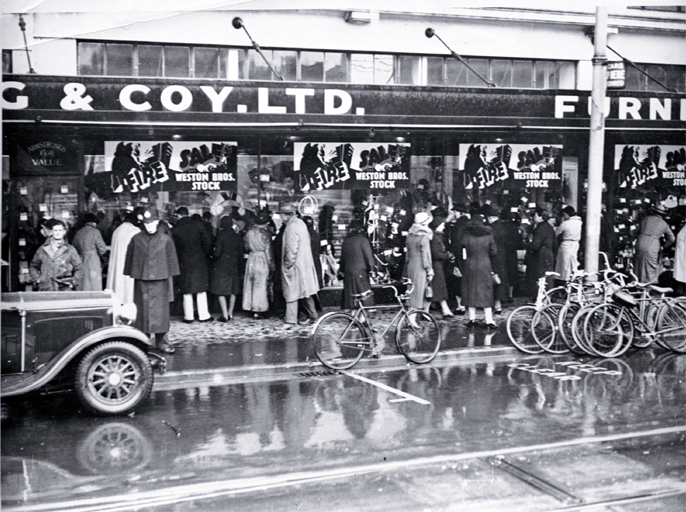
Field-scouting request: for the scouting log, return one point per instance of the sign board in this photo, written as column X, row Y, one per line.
column 616, row 75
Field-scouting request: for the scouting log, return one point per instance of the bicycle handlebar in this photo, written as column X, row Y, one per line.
column 406, row 281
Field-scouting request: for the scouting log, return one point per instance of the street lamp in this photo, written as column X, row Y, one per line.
column 238, row 24
column 429, row 32
column 22, row 26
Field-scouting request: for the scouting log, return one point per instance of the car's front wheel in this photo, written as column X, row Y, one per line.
column 113, row 378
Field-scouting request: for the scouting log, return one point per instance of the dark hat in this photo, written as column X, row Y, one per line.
column 262, row 217
column 458, row 207
column 437, row 221
column 90, row 217
column 439, row 211
column 149, row 215
column 659, row 208
column 478, row 218
column 488, row 211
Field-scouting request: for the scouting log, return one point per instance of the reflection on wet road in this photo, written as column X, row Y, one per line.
column 331, row 423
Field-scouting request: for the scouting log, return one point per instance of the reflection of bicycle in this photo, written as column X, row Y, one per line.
column 340, row 339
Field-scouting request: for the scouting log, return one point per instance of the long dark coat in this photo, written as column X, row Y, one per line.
column 477, row 280
column 439, row 257
column 193, row 246
column 91, row 247
column 501, row 238
column 513, row 242
column 151, row 260
column 541, row 256
column 316, row 246
column 357, row 260
column 228, row 252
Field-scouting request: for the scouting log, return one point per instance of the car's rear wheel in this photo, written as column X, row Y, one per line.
column 113, row 378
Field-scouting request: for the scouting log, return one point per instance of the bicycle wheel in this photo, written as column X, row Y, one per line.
column 417, row 336
column 578, row 334
column 557, row 295
column 519, row 329
column 545, row 328
column 564, row 327
column 608, row 330
column 671, row 328
column 339, row 341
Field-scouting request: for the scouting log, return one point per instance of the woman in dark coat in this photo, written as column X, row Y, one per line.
column 227, row 254
column 511, row 223
column 477, row 279
column 500, row 236
column 439, row 257
column 540, row 251
column 357, row 261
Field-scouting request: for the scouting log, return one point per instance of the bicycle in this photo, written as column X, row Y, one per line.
column 340, row 339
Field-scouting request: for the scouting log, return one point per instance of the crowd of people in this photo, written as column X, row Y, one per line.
column 460, row 259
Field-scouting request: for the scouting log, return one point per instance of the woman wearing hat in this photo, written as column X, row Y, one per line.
column 649, row 244
column 540, row 251
column 259, row 267
column 357, row 261
column 418, row 266
column 91, row 247
column 477, row 280
column 227, row 255
column 439, row 257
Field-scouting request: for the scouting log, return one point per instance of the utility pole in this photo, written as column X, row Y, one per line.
column 596, row 149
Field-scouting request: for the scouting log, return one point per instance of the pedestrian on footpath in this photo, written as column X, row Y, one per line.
column 477, row 283
column 500, row 237
column 151, row 261
column 91, row 247
column 418, row 266
column 357, row 261
column 121, row 284
column 439, row 257
column 56, row 266
column 455, row 231
column 540, row 256
column 193, row 246
column 569, row 236
column 649, row 244
column 226, row 279
column 298, row 275
column 260, row 266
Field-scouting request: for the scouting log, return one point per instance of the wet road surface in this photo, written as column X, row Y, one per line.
column 525, row 433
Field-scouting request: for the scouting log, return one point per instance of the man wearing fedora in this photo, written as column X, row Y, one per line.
column 151, row 260
column 298, row 274
column 649, row 244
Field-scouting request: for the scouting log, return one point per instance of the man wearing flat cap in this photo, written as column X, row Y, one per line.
column 151, row 260
column 298, row 274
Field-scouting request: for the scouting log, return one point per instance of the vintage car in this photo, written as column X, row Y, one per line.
column 55, row 341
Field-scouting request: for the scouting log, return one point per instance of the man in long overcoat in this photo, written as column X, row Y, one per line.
column 298, row 274
column 91, row 247
column 357, row 261
column 193, row 246
column 151, row 260
column 540, row 251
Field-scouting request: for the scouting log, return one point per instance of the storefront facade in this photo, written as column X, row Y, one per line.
column 337, row 150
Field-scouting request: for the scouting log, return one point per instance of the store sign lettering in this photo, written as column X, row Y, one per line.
column 47, row 154
column 627, row 108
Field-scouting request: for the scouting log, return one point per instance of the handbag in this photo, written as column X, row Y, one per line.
column 496, row 278
column 429, row 292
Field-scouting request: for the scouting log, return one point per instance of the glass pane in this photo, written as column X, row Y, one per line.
column 150, row 60
column 6, row 61
column 410, row 70
column 206, row 63
column 635, row 80
column 434, row 70
column 284, row 63
column 661, row 73
column 312, row 66
column 91, row 58
column 565, row 76
column 502, row 72
column 522, row 73
column 457, row 73
column 119, row 59
column 362, row 68
column 481, row 67
column 257, row 67
column 541, row 73
column 383, row 69
column 177, row 61
column 335, row 67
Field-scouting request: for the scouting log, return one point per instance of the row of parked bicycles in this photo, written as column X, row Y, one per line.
column 600, row 317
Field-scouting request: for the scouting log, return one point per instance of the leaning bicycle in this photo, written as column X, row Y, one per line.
column 340, row 339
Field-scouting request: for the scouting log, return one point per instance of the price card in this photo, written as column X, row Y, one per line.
column 324, row 243
column 23, row 216
column 23, row 191
column 646, row 200
column 144, row 200
column 403, row 212
column 387, row 252
column 66, row 214
column 525, row 221
column 621, row 226
column 376, row 206
column 404, row 233
column 622, row 200
column 532, row 205
column 264, row 177
column 22, row 242
column 64, row 189
column 514, row 209
column 383, row 218
column 616, row 229
column 341, row 227
column 389, row 210
column 42, row 207
column 506, row 192
column 334, row 218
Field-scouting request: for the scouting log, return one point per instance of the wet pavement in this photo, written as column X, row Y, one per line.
column 522, row 433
